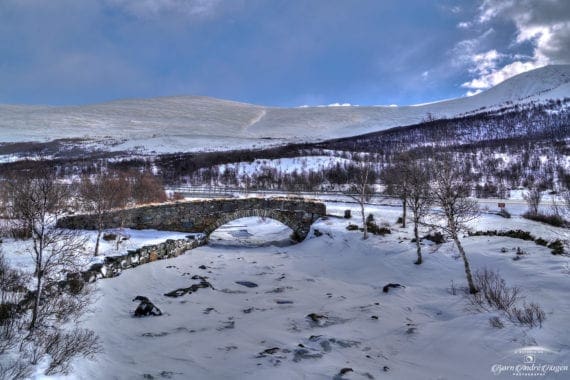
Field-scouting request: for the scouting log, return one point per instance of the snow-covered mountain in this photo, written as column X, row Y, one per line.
column 189, row 123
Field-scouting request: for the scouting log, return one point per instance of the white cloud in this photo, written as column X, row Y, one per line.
column 153, row 8
column 494, row 77
column 543, row 23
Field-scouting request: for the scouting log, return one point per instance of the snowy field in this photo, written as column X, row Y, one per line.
column 421, row 331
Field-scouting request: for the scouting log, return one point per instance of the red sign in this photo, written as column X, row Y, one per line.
column 502, row 205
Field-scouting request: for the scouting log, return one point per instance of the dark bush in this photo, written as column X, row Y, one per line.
column 436, row 237
column 109, row 236
column 352, row 227
column 541, row 241
column 557, row 247
column 373, row 228
column 551, row 219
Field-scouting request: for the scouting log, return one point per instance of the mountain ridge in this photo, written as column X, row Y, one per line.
column 188, row 123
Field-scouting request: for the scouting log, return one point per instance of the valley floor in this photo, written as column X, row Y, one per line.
column 419, row 331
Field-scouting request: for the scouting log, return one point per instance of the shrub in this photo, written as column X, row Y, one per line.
column 493, row 291
column 551, row 219
column 496, row 322
column 373, row 228
column 109, row 236
column 541, row 241
column 436, row 237
column 530, row 314
column 352, row 227
column 557, row 247
column 495, row 294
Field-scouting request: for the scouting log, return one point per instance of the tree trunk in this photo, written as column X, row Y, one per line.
column 38, row 295
column 364, row 226
column 418, row 246
column 404, row 212
column 99, row 232
column 472, row 288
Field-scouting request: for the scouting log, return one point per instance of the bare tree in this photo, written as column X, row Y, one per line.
column 451, row 192
column 102, row 193
column 36, row 203
column 566, row 200
column 12, row 291
column 419, row 200
column 397, row 180
column 147, row 188
column 533, row 197
column 362, row 189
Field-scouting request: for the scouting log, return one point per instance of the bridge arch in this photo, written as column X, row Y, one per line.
column 284, row 217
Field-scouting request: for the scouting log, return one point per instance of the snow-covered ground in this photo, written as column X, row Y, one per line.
column 191, row 123
column 417, row 332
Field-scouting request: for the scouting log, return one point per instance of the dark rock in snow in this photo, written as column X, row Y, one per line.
column 269, row 351
column 345, row 370
column 387, row 287
column 182, row 291
column 316, row 317
column 146, row 308
column 248, row 284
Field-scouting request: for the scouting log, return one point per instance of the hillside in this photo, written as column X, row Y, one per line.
column 190, row 123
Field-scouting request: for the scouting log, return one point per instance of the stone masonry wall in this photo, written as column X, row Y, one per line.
column 205, row 216
column 112, row 266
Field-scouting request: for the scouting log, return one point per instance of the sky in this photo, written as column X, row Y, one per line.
column 284, row 53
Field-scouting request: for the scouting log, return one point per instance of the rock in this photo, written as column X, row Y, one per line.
column 248, row 284
column 387, row 287
column 345, row 371
column 283, row 302
column 303, row 353
column 316, row 317
column 146, row 308
column 374, row 317
column 183, row 291
column 269, row 351
column 248, row 310
column 202, row 267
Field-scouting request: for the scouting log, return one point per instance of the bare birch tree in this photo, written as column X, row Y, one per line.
column 419, row 200
column 361, row 190
column 451, row 192
column 100, row 194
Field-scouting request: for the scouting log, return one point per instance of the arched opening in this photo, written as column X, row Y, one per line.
column 252, row 231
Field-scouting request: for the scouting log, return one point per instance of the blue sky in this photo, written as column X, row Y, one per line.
column 273, row 52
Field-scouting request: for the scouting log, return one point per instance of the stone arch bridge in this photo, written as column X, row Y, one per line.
column 206, row 215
